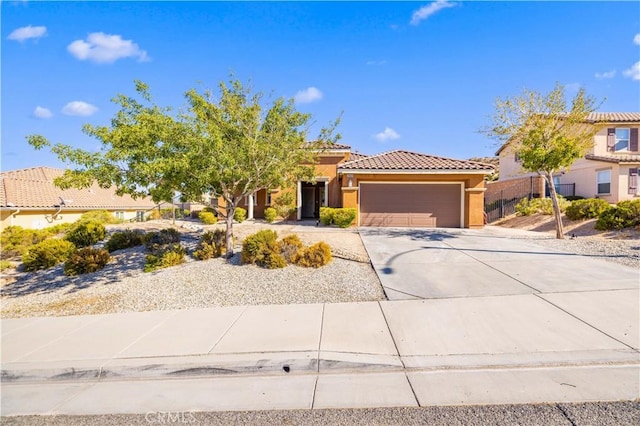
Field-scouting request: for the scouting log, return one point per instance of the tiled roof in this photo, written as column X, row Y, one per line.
column 34, row 188
column 412, row 161
column 630, row 158
column 614, row 117
column 357, row 156
column 331, row 146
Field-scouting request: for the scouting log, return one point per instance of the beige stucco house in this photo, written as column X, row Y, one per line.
column 29, row 198
column 608, row 171
column 395, row 188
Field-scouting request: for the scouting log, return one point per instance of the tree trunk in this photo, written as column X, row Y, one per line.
column 556, row 207
column 228, row 236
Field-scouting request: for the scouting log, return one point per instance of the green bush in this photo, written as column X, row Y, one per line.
column 124, row 239
column 344, row 217
column 101, row 216
column 261, row 249
column 240, row 215
column 47, row 253
column 86, row 260
column 14, row 240
column 270, row 214
column 207, row 218
column 326, row 215
column 334, row 216
column 289, row 247
column 212, row 244
column 164, row 257
column 59, row 228
column 285, row 204
column 153, row 240
column 315, row 256
column 87, row 233
column 539, row 205
column 5, row 264
column 625, row 214
column 573, row 197
column 586, row 209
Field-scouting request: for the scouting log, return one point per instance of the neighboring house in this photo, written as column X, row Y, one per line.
column 29, row 198
column 608, row 171
column 396, row 188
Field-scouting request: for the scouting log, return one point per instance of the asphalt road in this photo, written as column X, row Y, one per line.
column 583, row 414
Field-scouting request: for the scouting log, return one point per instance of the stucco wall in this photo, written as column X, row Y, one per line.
column 39, row 219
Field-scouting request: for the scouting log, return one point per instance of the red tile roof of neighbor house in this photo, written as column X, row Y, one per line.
column 629, row 158
column 34, row 188
column 403, row 161
column 615, row 117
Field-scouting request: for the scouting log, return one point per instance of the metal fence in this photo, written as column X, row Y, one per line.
column 564, row 189
column 500, row 200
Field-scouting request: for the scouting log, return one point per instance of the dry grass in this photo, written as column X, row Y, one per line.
column 72, row 305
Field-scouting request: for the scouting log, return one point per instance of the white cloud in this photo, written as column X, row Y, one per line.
column 25, row 33
column 106, row 48
column 425, row 11
column 42, row 112
column 388, row 134
column 308, row 95
column 606, row 74
column 633, row 72
column 636, row 39
column 79, row 108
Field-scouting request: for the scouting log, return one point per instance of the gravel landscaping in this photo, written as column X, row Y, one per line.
column 123, row 287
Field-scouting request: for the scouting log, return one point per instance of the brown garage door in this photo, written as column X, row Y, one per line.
column 405, row 204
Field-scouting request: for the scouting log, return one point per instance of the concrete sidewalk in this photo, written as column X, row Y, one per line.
column 567, row 347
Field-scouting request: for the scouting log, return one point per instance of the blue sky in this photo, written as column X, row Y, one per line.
column 420, row 76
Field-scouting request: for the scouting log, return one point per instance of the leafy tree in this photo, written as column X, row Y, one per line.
column 546, row 132
column 227, row 147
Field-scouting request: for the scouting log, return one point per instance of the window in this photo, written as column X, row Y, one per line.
column 119, row 215
column 516, row 157
column 622, row 139
column 267, row 197
column 603, row 180
column 633, row 181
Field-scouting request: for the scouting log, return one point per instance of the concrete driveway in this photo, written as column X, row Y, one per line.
column 446, row 263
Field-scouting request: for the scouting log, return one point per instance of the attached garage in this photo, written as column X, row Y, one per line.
column 408, row 189
column 422, row 204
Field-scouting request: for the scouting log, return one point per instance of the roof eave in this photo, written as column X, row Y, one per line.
column 415, row 172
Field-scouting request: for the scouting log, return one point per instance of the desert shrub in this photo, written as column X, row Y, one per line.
column 528, row 207
column 261, row 249
column 123, row 239
column 285, row 204
column 86, row 260
column 207, row 218
column 344, row 217
column 101, row 216
column 625, row 214
column 270, row 214
column 164, row 257
column 59, row 228
column 314, row 256
column 5, row 264
column 14, row 240
column 586, row 209
column 240, row 215
column 153, row 240
column 212, row 244
column 87, row 233
column 326, row 215
column 289, row 247
column 574, row 197
column 154, row 215
column 47, row 253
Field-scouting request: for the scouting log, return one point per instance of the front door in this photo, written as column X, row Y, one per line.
column 308, row 202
